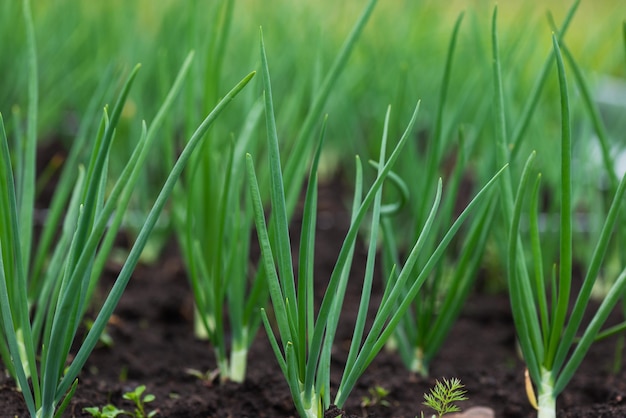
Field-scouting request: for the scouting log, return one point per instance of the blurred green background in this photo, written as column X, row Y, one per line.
column 399, row 58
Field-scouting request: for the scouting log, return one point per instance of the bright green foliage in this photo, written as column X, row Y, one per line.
column 442, row 397
column 46, row 284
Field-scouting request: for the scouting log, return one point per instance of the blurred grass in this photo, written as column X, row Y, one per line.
column 399, row 57
column 404, row 42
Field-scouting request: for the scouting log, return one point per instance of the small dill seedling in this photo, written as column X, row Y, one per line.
column 442, row 397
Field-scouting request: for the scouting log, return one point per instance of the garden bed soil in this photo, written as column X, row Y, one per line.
column 154, row 345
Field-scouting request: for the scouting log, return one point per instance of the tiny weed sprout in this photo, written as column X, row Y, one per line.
column 442, row 397
column 377, row 397
column 108, row 411
column 140, row 400
column 547, row 326
column 136, row 397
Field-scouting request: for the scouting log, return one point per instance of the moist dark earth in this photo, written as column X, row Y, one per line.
column 154, row 345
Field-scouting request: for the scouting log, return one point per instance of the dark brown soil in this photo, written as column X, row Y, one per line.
column 154, row 345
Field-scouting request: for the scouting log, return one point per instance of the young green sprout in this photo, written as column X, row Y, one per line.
column 136, row 397
column 140, row 400
column 442, row 397
column 108, row 411
column 377, row 396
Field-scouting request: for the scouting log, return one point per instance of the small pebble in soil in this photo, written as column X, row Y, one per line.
column 474, row 412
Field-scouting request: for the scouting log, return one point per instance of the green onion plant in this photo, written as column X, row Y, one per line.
column 607, row 183
column 304, row 349
column 422, row 332
column 508, row 146
column 213, row 218
column 36, row 351
column 545, row 325
column 213, row 222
